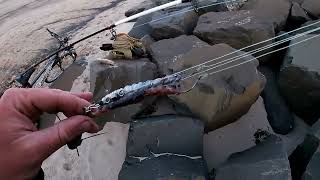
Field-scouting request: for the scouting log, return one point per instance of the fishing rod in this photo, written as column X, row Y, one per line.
column 23, row 79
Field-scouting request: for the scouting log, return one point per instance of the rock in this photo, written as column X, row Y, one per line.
column 296, row 136
column 207, row 6
column 219, row 144
column 299, row 79
column 302, row 155
column 105, row 77
column 226, row 95
column 310, row 25
column 298, row 14
column 270, row 11
column 297, row 1
column 267, row 160
column 141, row 27
column 147, row 40
column 162, row 106
column 165, row 52
column 312, row 7
column 236, row 28
column 312, row 170
column 174, row 134
column 174, row 25
column 165, row 167
column 134, row 11
column 279, row 115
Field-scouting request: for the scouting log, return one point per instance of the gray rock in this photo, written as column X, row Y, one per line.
column 134, row 11
column 147, row 40
column 207, row 6
column 162, row 106
column 298, row 14
column 311, row 25
column 292, row 140
column 238, row 29
column 279, row 115
column 312, row 171
column 141, row 27
column 223, row 97
column 174, row 134
column 312, row 7
column 174, row 24
column 105, row 77
column 270, row 11
column 165, row 167
column 299, row 79
column 302, row 155
column 220, row 144
column 267, row 160
column 165, row 52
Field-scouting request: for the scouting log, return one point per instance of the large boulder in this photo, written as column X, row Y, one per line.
column 220, row 144
column 165, row 167
column 165, row 52
column 279, row 115
column 299, row 79
column 220, row 98
column 141, row 27
column 270, row 11
column 312, row 7
column 105, row 78
column 238, row 29
column 235, row 28
column 267, row 160
column 163, row 134
column 173, row 25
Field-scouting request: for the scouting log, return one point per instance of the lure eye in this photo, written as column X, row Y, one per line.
column 107, row 100
column 121, row 93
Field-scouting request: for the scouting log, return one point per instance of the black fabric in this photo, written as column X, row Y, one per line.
column 106, row 47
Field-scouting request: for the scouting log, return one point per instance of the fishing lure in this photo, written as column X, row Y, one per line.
column 134, row 93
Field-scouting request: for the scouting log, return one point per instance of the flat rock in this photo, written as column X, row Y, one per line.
column 174, row 24
column 224, row 96
column 267, row 160
column 270, row 11
column 220, row 144
column 279, row 115
column 174, row 134
column 299, row 79
column 165, row 167
column 165, row 52
column 312, row 7
column 106, row 78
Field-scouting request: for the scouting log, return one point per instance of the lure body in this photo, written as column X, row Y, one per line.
column 134, row 93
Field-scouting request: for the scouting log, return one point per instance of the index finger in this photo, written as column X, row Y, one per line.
column 33, row 102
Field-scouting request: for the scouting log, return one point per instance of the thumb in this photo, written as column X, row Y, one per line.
column 49, row 140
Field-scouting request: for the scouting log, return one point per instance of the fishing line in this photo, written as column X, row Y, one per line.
column 246, row 54
column 215, row 72
column 242, row 49
column 233, row 66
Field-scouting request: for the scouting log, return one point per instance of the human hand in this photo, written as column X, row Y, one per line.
column 23, row 147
